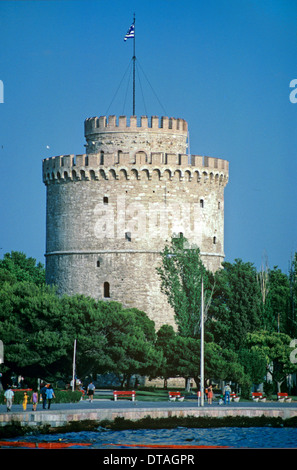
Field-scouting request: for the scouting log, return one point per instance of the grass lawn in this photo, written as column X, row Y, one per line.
column 156, row 395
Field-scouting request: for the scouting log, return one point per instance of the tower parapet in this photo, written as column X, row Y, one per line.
column 96, row 125
column 157, row 165
column 154, row 134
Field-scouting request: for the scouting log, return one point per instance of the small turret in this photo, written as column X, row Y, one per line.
column 154, row 134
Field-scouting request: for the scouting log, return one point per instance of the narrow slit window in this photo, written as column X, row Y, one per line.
column 201, row 203
column 214, row 240
column 106, row 290
column 98, row 263
column 105, row 200
column 128, row 236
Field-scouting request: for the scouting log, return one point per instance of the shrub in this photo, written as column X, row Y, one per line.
column 62, row 396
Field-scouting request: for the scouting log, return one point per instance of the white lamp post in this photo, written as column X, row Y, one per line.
column 73, row 366
column 202, row 347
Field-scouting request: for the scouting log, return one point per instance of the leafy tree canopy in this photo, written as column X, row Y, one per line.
column 16, row 267
column 236, row 305
column 181, row 274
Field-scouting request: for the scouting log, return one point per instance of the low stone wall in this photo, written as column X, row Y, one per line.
column 62, row 418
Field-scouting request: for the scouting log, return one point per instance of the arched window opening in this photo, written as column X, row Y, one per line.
column 201, row 203
column 105, row 200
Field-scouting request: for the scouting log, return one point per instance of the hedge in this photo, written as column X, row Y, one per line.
column 62, row 396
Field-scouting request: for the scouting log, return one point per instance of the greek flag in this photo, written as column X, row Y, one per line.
column 130, row 33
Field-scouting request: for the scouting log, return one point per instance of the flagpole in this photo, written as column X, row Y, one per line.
column 134, row 59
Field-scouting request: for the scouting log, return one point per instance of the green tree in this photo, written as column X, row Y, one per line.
column 17, row 267
column 31, row 328
column 276, row 349
column 38, row 330
column 181, row 273
column 109, row 338
column 277, row 302
column 182, row 358
column 130, row 343
column 84, row 320
column 236, row 305
column 254, row 364
column 292, row 317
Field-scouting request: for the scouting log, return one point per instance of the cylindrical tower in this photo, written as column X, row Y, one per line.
column 111, row 211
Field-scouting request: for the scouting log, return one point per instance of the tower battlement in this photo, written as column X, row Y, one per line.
column 97, row 125
column 125, row 134
column 136, row 166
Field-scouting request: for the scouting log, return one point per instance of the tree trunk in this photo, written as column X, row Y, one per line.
column 279, row 386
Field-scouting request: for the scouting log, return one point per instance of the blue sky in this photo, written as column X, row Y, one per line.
column 223, row 65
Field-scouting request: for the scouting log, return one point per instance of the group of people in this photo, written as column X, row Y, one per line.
column 46, row 393
column 226, row 394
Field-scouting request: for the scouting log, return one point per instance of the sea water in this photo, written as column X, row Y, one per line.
column 251, row 438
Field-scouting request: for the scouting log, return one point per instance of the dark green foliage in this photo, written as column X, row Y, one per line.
column 236, row 305
column 61, row 396
column 38, row 330
column 16, row 267
column 182, row 358
column 181, row 275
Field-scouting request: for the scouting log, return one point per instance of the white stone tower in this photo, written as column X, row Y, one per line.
column 111, row 211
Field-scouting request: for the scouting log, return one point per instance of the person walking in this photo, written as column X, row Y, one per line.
column 209, row 395
column 8, row 396
column 34, row 400
column 227, row 391
column 25, row 401
column 90, row 391
column 50, row 394
column 43, row 395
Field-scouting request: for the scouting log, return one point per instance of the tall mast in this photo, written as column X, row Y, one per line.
column 131, row 34
column 134, row 60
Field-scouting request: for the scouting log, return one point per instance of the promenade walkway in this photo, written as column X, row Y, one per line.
column 60, row 414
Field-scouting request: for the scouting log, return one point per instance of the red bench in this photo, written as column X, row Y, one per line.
column 234, row 397
column 256, row 396
column 175, row 395
column 124, row 393
column 283, row 397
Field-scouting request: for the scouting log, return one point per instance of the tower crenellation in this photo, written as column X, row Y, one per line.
column 125, row 134
column 114, row 124
column 112, row 209
column 88, row 166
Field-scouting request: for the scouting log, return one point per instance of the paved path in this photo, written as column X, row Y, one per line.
column 121, row 404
